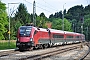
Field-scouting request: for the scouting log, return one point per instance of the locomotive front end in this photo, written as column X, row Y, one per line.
column 24, row 37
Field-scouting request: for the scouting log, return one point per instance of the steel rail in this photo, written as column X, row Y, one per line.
column 48, row 54
column 6, row 53
column 82, row 57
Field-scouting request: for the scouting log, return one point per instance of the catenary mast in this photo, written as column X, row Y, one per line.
column 34, row 12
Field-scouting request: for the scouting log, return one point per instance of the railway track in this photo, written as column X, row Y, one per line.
column 6, row 53
column 83, row 56
column 38, row 54
column 48, row 54
column 76, row 54
column 82, row 53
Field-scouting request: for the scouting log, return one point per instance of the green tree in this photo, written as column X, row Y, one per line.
column 75, row 12
column 57, row 24
column 87, row 10
column 41, row 20
column 67, row 25
column 51, row 16
column 57, row 14
column 87, row 26
column 22, row 15
column 15, row 24
column 3, row 21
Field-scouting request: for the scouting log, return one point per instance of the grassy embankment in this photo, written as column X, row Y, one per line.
column 5, row 45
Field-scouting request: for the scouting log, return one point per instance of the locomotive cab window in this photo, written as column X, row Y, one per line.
column 35, row 32
column 25, row 31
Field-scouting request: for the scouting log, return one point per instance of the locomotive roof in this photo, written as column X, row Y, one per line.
column 67, row 32
column 40, row 29
column 56, row 31
column 53, row 30
column 25, row 26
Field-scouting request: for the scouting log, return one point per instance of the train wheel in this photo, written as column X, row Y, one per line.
column 30, row 49
column 20, row 49
column 50, row 45
column 37, row 46
column 41, row 46
column 45, row 45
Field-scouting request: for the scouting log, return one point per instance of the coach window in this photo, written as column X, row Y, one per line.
column 57, row 36
column 69, row 36
column 77, row 36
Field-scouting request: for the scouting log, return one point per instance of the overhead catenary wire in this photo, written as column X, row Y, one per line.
column 88, row 2
column 39, row 7
column 51, row 7
column 47, row 7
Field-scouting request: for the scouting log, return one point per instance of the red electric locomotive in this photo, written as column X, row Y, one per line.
column 33, row 37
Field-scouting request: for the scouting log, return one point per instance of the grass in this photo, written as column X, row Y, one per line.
column 5, row 45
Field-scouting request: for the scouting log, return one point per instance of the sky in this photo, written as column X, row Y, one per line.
column 48, row 7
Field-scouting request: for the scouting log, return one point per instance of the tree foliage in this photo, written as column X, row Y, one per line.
column 3, row 21
column 22, row 14
column 78, row 15
column 87, row 10
column 75, row 12
column 57, row 14
column 22, row 17
column 87, row 26
column 57, row 24
column 41, row 20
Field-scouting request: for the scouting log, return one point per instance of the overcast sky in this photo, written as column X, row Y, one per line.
column 46, row 6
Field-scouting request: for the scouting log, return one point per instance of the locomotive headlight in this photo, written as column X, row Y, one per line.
column 18, row 43
column 17, row 39
column 28, row 43
column 31, row 39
